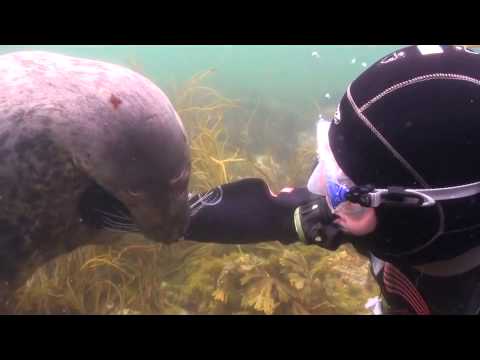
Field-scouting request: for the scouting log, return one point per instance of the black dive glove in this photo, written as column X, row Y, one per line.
column 246, row 211
column 314, row 225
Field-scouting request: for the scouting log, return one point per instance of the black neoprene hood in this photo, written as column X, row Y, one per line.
column 424, row 103
column 433, row 121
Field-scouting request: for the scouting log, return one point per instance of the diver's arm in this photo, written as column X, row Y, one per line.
column 246, row 211
column 243, row 212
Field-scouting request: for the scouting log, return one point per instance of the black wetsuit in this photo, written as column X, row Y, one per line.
column 247, row 212
column 411, row 121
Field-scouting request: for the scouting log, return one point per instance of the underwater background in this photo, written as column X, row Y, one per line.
column 294, row 76
column 250, row 111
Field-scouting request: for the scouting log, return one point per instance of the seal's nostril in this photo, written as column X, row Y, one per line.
column 134, row 193
column 165, row 234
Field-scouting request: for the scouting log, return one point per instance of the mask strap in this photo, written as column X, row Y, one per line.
column 396, row 196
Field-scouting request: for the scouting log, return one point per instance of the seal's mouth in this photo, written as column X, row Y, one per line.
column 101, row 210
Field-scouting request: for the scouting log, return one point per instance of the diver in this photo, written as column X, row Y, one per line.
column 396, row 176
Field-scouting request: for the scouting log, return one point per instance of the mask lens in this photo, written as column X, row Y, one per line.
column 337, row 200
column 328, row 178
column 336, row 193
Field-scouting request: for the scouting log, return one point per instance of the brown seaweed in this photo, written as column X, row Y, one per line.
column 138, row 277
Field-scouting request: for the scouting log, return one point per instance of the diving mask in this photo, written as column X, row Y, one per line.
column 328, row 179
column 343, row 196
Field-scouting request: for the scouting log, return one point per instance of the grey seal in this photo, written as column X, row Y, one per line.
column 83, row 143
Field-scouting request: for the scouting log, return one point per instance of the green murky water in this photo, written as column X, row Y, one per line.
column 292, row 84
column 294, row 76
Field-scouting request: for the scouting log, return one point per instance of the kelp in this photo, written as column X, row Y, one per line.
column 135, row 276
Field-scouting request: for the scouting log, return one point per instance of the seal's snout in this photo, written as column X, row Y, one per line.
column 160, row 216
column 172, row 229
column 165, row 234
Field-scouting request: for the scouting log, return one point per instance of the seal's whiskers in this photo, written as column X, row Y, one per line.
column 110, row 222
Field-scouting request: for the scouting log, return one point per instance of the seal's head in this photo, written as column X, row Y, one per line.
column 84, row 145
column 150, row 176
column 145, row 165
column 124, row 134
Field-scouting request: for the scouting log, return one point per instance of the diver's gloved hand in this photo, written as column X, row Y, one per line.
column 246, row 211
column 314, row 225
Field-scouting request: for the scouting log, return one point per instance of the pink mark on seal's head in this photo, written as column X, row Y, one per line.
column 115, row 101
